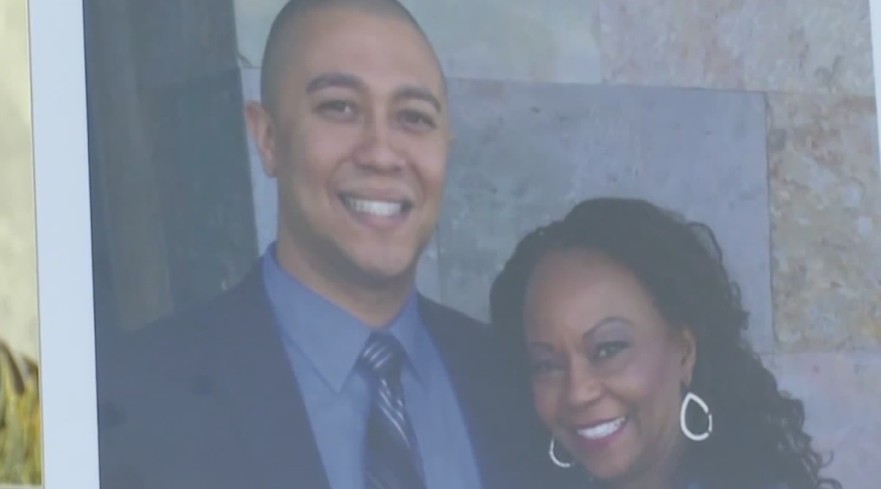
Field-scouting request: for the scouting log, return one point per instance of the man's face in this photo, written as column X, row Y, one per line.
column 358, row 145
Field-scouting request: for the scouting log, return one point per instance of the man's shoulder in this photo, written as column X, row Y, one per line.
column 171, row 346
column 456, row 322
column 468, row 344
column 234, row 304
column 158, row 393
column 173, row 328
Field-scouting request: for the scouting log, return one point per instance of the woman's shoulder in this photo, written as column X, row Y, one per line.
column 770, row 486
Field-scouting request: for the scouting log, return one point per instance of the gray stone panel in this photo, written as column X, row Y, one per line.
column 842, row 397
column 496, row 39
column 526, row 153
column 514, row 39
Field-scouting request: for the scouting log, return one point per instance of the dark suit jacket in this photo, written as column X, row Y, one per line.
column 208, row 399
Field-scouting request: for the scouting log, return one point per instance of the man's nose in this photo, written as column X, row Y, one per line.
column 377, row 150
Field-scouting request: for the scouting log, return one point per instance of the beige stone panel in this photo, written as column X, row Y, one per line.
column 826, row 221
column 780, row 45
column 18, row 257
column 842, row 398
column 490, row 39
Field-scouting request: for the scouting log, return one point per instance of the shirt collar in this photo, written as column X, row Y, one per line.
column 330, row 337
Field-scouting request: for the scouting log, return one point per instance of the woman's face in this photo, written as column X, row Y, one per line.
column 607, row 368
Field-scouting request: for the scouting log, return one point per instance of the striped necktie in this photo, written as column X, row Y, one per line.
column 391, row 456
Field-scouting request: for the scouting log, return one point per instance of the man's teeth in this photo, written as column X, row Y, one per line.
column 374, row 207
column 603, row 430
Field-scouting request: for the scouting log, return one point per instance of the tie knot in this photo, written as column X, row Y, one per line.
column 383, row 356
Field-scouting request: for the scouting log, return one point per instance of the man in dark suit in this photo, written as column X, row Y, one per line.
column 325, row 368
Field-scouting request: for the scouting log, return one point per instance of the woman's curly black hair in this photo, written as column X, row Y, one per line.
column 758, row 438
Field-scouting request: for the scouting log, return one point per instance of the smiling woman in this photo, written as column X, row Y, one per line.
column 631, row 331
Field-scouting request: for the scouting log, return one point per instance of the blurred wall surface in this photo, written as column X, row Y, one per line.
column 18, row 252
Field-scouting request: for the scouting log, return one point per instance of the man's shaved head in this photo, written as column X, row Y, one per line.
column 354, row 128
column 279, row 42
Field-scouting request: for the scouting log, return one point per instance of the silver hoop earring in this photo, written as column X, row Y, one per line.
column 692, row 397
column 554, row 459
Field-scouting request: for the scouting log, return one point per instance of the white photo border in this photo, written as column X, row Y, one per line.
column 875, row 20
column 64, row 249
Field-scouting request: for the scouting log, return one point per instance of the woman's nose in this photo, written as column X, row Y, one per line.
column 583, row 387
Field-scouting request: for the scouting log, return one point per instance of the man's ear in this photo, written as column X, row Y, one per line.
column 262, row 131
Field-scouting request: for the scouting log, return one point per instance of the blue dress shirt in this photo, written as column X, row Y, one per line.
column 323, row 343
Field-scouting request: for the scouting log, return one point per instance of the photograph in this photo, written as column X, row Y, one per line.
column 484, row 244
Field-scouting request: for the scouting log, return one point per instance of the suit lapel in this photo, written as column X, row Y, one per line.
column 261, row 389
column 467, row 368
column 256, row 380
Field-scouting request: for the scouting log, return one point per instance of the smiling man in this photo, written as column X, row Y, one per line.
column 326, row 368
column 355, row 130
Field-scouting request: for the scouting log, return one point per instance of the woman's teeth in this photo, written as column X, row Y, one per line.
column 603, row 430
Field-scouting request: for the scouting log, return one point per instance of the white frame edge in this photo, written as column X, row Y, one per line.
column 64, row 249
column 875, row 21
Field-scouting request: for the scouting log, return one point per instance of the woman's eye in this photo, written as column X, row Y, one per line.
column 542, row 366
column 609, row 349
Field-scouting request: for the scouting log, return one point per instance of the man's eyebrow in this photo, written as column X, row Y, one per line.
column 419, row 93
column 341, row 80
column 346, row 80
